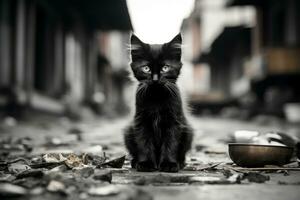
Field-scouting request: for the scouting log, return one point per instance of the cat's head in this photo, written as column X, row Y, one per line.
column 156, row 63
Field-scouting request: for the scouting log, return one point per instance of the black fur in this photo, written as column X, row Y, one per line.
column 159, row 135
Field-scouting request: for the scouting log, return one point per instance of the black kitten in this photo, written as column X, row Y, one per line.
column 159, row 136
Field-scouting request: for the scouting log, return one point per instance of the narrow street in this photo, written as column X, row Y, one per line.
column 71, row 71
column 209, row 173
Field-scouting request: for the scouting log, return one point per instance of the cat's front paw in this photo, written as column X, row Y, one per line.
column 169, row 167
column 145, row 166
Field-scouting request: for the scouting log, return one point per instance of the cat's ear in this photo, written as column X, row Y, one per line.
column 176, row 41
column 173, row 48
column 135, row 42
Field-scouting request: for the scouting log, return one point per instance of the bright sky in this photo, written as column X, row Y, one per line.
column 158, row 21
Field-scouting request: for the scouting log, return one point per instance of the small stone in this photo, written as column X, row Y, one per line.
column 84, row 172
column 54, row 158
column 55, row 186
column 103, row 175
column 16, row 168
column 107, row 190
column 10, row 190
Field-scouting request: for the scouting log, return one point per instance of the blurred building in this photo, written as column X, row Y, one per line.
column 50, row 51
column 258, row 61
column 226, row 58
column 274, row 68
column 219, row 43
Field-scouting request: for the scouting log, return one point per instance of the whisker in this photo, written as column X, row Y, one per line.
column 141, row 90
column 173, row 89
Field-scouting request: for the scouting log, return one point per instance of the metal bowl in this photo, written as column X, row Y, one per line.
column 257, row 155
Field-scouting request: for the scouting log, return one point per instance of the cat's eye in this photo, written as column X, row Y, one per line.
column 146, row 69
column 165, row 68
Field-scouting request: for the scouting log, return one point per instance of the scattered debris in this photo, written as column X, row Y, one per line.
column 92, row 172
column 30, row 173
column 98, row 160
column 115, row 163
column 73, row 160
column 107, row 190
column 47, row 165
column 103, row 175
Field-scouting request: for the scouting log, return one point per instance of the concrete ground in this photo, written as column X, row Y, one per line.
column 209, row 173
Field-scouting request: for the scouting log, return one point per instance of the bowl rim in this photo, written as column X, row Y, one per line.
column 258, row 145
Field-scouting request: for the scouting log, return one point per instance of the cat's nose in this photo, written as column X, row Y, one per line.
column 155, row 77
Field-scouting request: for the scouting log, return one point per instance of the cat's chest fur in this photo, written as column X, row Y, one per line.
column 158, row 111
